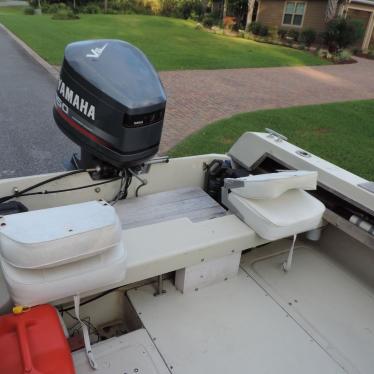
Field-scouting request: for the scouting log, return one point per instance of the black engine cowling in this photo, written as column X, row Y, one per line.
column 110, row 101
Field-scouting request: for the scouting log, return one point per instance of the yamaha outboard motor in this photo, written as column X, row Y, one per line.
column 110, row 101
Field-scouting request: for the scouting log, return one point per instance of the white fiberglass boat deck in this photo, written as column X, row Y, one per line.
column 134, row 352
column 316, row 319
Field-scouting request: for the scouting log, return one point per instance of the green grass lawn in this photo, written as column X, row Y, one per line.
column 169, row 43
column 342, row 133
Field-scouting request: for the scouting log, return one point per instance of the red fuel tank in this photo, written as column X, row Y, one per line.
column 33, row 342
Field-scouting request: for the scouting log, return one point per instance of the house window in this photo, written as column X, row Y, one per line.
column 294, row 13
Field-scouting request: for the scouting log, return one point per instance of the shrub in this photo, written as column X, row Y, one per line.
column 33, row 3
column 282, row 33
column 342, row 56
column 30, row 11
column 139, row 6
column 113, row 7
column 308, row 37
column 342, row 33
column 322, row 52
column 257, row 28
column 254, row 28
column 198, row 26
column 65, row 15
column 264, row 31
column 56, row 7
column 218, row 30
column 153, row 6
column 190, row 9
column 91, row 8
column 45, row 7
column 293, row 35
column 208, row 21
column 235, row 27
column 112, row 11
column 123, row 6
column 168, row 8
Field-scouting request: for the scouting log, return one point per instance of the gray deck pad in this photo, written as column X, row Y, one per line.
column 192, row 203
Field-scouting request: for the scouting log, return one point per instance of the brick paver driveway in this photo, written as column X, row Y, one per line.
column 198, row 97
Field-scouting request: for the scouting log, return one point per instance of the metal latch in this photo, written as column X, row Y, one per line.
column 278, row 137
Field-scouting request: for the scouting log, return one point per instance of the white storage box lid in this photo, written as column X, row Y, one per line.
column 56, row 236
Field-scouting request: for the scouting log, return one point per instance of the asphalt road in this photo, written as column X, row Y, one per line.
column 30, row 142
column 13, row 3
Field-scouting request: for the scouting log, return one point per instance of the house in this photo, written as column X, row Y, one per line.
column 314, row 14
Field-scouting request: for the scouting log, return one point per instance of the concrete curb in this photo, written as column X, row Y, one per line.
column 51, row 70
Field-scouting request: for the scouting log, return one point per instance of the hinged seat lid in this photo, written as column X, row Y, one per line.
column 51, row 237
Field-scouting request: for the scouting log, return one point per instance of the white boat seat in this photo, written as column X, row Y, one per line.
column 150, row 250
column 59, row 252
column 272, row 185
column 163, row 247
column 51, row 237
column 275, row 205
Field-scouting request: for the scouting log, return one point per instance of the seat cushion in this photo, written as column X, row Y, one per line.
column 272, row 185
column 56, row 236
column 38, row 286
column 293, row 212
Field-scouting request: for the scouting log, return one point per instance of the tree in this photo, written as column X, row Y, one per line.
column 251, row 6
column 224, row 13
column 342, row 33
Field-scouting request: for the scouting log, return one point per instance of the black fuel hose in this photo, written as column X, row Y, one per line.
column 46, row 192
column 24, row 191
